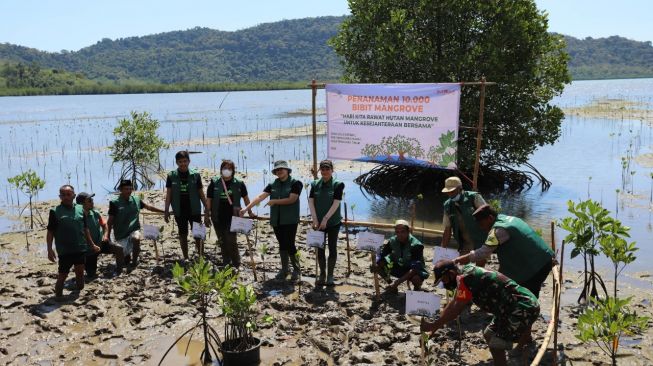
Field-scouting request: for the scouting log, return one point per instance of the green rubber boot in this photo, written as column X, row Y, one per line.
column 283, row 273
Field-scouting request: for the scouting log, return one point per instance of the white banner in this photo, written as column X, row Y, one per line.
column 369, row 241
column 440, row 253
column 411, row 124
column 422, row 303
column 315, row 238
column 151, row 232
column 241, row 225
column 199, row 231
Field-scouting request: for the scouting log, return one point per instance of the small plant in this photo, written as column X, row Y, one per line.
column 263, row 251
column 239, row 307
column 203, row 287
column 137, row 148
column 617, row 249
column 30, row 184
column 495, row 204
column 606, row 322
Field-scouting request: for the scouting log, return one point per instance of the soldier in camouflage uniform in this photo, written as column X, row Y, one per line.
column 514, row 307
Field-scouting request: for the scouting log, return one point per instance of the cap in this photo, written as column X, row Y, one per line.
column 441, row 268
column 483, row 212
column 402, row 222
column 326, row 164
column 451, row 183
column 281, row 164
column 125, row 182
column 81, row 197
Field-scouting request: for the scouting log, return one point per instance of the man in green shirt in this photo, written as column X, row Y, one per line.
column 514, row 307
column 523, row 255
column 402, row 257
column 95, row 228
column 184, row 192
column 124, row 222
column 457, row 219
column 66, row 227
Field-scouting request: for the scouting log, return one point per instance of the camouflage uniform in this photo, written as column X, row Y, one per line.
column 514, row 307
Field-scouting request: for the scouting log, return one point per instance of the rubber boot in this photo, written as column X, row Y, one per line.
column 283, row 273
column 296, row 271
column 332, row 266
column 321, row 261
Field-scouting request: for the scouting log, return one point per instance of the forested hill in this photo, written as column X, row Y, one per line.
column 289, row 50
column 285, row 51
column 609, row 58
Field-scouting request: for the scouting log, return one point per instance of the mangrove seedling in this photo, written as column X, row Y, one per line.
column 31, row 184
column 203, row 286
column 238, row 304
column 617, row 249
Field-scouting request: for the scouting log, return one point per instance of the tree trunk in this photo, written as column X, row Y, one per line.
column 207, row 353
column 31, row 214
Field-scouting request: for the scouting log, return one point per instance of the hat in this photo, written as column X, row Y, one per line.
column 402, row 222
column 326, row 164
column 281, row 164
column 441, row 268
column 81, row 197
column 483, row 212
column 451, row 183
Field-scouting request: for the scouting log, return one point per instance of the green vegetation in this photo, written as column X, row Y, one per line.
column 279, row 55
column 137, row 147
column 31, row 184
column 448, row 41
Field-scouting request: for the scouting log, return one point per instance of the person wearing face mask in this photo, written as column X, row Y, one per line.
column 284, row 215
column 458, row 219
column 184, row 193
column 224, row 194
column 514, row 307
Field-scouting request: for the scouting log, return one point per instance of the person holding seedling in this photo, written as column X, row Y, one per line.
column 184, row 192
column 457, row 218
column 66, row 227
column 514, row 307
column 125, row 223
column 324, row 202
column 95, row 228
column 284, row 215
column 223, row 202
column 402, row 257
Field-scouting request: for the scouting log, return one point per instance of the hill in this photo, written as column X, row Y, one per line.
column 289, row 51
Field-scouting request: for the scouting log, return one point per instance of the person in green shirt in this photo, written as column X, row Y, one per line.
column 124, row 221
column 284, row 215
column 514, row 307
column 95, row 228
column 67, row 228
column 402, row 257
column 223, row 202
column 324, row 202
column 184, row 192
column 457, row 218
column 523, row 255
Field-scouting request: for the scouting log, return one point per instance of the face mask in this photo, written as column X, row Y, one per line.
column 456, row 198
column 451, row 285
column 226, row 173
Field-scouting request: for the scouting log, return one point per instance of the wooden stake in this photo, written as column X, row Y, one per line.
column 376, row 277
column 479, row 135
column 156, row 252
column 251, row 257
column 347, row 241
column 314, row 93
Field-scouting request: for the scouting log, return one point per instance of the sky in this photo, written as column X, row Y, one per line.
column 55, row 25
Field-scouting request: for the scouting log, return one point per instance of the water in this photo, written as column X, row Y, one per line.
column 64, row 139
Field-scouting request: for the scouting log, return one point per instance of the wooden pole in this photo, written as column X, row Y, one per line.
column 156, row 252
column 479, row 135
column 314, row 93
column 556, row 301
column 376, row 277
column 251, row 256
column 347, row 241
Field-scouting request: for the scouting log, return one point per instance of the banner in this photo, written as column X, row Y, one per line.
column 407, row 124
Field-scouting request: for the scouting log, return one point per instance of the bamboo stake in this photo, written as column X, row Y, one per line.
column 251, row 257
column 412, row 216
column 156, row 252
column 556, row 301
column 347, row 241
column 314, row 123
column 547, row 337
column 479, row 135
column 376, row 277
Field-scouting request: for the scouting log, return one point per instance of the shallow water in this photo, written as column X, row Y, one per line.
column 63, row 138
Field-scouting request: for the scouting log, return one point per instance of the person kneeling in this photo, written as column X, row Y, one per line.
column 514, row 307
column 402, row 257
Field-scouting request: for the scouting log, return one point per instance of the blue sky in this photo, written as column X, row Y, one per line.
column 72, row 24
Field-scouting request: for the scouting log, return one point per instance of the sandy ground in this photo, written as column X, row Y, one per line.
column 615, row 109
column 133, row 318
